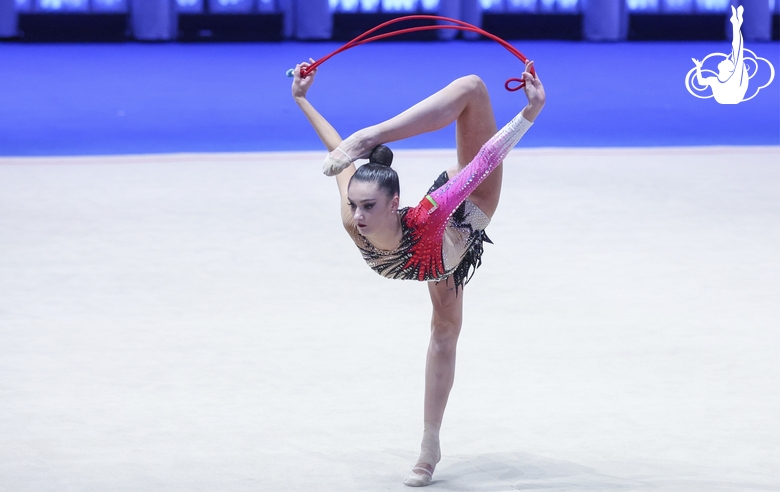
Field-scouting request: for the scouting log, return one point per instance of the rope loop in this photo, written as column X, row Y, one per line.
column 520, row 84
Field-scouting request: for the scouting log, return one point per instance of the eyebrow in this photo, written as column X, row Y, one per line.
column 367, row 200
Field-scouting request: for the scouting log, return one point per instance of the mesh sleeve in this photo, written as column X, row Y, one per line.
column 456, row 190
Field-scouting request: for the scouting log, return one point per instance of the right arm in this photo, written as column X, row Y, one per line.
column 328, row 135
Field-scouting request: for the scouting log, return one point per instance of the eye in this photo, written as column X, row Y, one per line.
column 369, row 206
column 351, row 205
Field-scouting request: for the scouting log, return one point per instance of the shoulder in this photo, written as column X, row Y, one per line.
column 409, row 217
column 352, row 230
column 425, row 214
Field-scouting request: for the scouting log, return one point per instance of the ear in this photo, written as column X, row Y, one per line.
column 394, row 203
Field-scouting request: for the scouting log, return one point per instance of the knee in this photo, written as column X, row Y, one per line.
column 444, row 334
column 473, row 84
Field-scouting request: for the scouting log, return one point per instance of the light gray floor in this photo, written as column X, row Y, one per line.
column 203, row 323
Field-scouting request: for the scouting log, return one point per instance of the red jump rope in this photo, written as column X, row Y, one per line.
column 457, row 25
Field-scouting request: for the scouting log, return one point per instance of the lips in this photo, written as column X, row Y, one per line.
column 361, row 225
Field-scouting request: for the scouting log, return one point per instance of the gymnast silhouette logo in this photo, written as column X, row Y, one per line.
column 729, row 84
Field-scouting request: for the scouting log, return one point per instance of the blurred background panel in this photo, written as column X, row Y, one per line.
column 273, row 20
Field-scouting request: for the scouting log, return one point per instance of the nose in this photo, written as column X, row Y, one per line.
column 358, row 215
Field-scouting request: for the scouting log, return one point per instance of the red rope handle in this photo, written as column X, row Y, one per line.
column 459, row 25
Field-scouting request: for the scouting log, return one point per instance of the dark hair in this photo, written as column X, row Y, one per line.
column 378, row 171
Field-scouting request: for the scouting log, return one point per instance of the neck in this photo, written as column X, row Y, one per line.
column 390, row 237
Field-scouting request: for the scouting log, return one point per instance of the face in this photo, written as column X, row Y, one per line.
column 372, row 209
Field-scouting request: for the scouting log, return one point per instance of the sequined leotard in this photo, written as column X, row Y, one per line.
column 443, row 234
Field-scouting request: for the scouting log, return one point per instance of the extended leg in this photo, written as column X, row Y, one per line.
column 430, row 114
column 439, row 375
column 465, row 101
column 474, row 128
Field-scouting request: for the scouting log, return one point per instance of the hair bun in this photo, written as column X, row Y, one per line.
column 381, row 155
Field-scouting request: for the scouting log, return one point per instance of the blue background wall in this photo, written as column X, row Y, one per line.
column 150, row 98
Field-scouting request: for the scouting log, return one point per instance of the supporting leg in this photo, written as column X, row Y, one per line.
column 439, row 375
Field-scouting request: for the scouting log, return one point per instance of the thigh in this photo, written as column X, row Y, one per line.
column 475, row 125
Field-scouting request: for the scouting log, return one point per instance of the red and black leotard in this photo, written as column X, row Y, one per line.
column 444, row 233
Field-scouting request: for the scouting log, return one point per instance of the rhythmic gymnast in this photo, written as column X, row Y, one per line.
column 439, row 240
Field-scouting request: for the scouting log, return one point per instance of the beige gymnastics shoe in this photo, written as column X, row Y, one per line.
column 418, row 477
column 335, row 164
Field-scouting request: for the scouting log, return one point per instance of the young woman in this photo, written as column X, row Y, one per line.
column 440, row 240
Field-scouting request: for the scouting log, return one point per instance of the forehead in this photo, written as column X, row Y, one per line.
column 363, row 190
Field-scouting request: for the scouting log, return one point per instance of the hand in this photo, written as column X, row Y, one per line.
column 534, row 91
column 300, row 86
column 696, row 62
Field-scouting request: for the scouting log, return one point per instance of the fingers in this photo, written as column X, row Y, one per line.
column 300, row 67
column 529, row 69
column 311, row 60
column 529, row 77
column 307, row 65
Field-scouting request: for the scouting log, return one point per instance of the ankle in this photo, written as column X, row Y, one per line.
column 431, row 429
column 430, row 448
column 367, row 140
column 359, row 144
